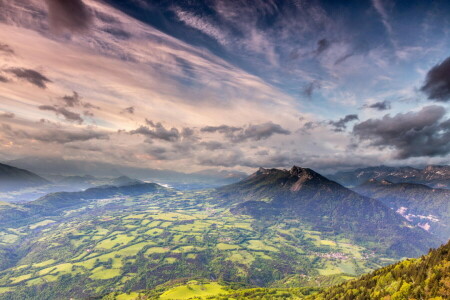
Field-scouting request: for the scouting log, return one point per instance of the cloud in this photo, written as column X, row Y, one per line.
column 52, row 135
column 31, row 76
column 73, row 100
column 118, row 33
column 7, row 115
column 202, row 24
column 237, row 157
column 71, row 15
column 341, row 124
column 157, row 131
column 261, row 132
column 6, row 49
column 67, row 114
column 66, row 136
column 309, row 88
column 412, row 134
column 322, row 45
column 252, row 132
column 381, row 10
column 382, row 105
column 225, row 129
column 437, row 82
column 129, row 110
column 3, row 79
column 213, row 145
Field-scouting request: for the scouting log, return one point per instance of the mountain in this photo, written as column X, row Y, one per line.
column 179, row 180
column 427, row 277
column 55, row 203
column 423, row 206
column 433, row 175
column 125, row 180
column 12, row 178
column 326, row 206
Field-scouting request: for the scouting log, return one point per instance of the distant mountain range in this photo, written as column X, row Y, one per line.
column 433, row 175
column 327, row 206
column 12, row 178
column 423, row 206
column 53, row 203
column 49, row 167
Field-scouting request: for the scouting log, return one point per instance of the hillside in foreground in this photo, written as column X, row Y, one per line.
column 427, row 277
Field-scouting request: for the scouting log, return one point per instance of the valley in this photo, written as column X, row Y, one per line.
column 140, row 242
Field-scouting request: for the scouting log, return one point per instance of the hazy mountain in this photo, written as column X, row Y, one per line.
column 328, row 207
column 427, row 277
column 434, row 176
column 67, row 199
column 12, row 178
column 125, row 180
column 423, row 206
column 54, row 203
column 51, row 167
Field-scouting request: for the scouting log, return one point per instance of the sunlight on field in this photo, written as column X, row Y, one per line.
column 193, row 289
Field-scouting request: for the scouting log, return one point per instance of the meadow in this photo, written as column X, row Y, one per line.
column 133, row 243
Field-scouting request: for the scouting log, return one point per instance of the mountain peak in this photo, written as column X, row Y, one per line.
column 299, row 171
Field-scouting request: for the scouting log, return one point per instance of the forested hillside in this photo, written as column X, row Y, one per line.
column 427, row 277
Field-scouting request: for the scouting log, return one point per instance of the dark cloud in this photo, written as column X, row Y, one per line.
column 88, row 113
column 67, row 114
column 213, row 145
column 73, row 100
column 63, row 136
column 308, row 90
column 6, row 49
column 129, row 110
column 437, row 82
column 158, row 131
column 225, row 129
column 322, row 45
column 239, row 158
column 341, row 124
column 412, row 134
column 188, row 133
column 71, row 15
column 310, row 125
column 343, row 58
column 260, row 132
column 251, row 132
column 89, row 105
column 118, row 33
column 31, row 76
column 382, row 105
column 7, row 115
column 3, row 79
column 58, row 136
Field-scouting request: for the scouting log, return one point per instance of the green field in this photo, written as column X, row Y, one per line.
column 160, row 238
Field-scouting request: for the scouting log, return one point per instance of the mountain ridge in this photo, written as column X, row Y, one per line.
column 305, row 194
column 13, row 178
column 437, row 176
column 418, row 203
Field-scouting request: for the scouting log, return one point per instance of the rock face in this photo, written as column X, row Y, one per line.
column 426, row 207
column 326, row 205
column 433, row 176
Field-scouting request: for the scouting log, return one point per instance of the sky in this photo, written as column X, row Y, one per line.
column 226, row 84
